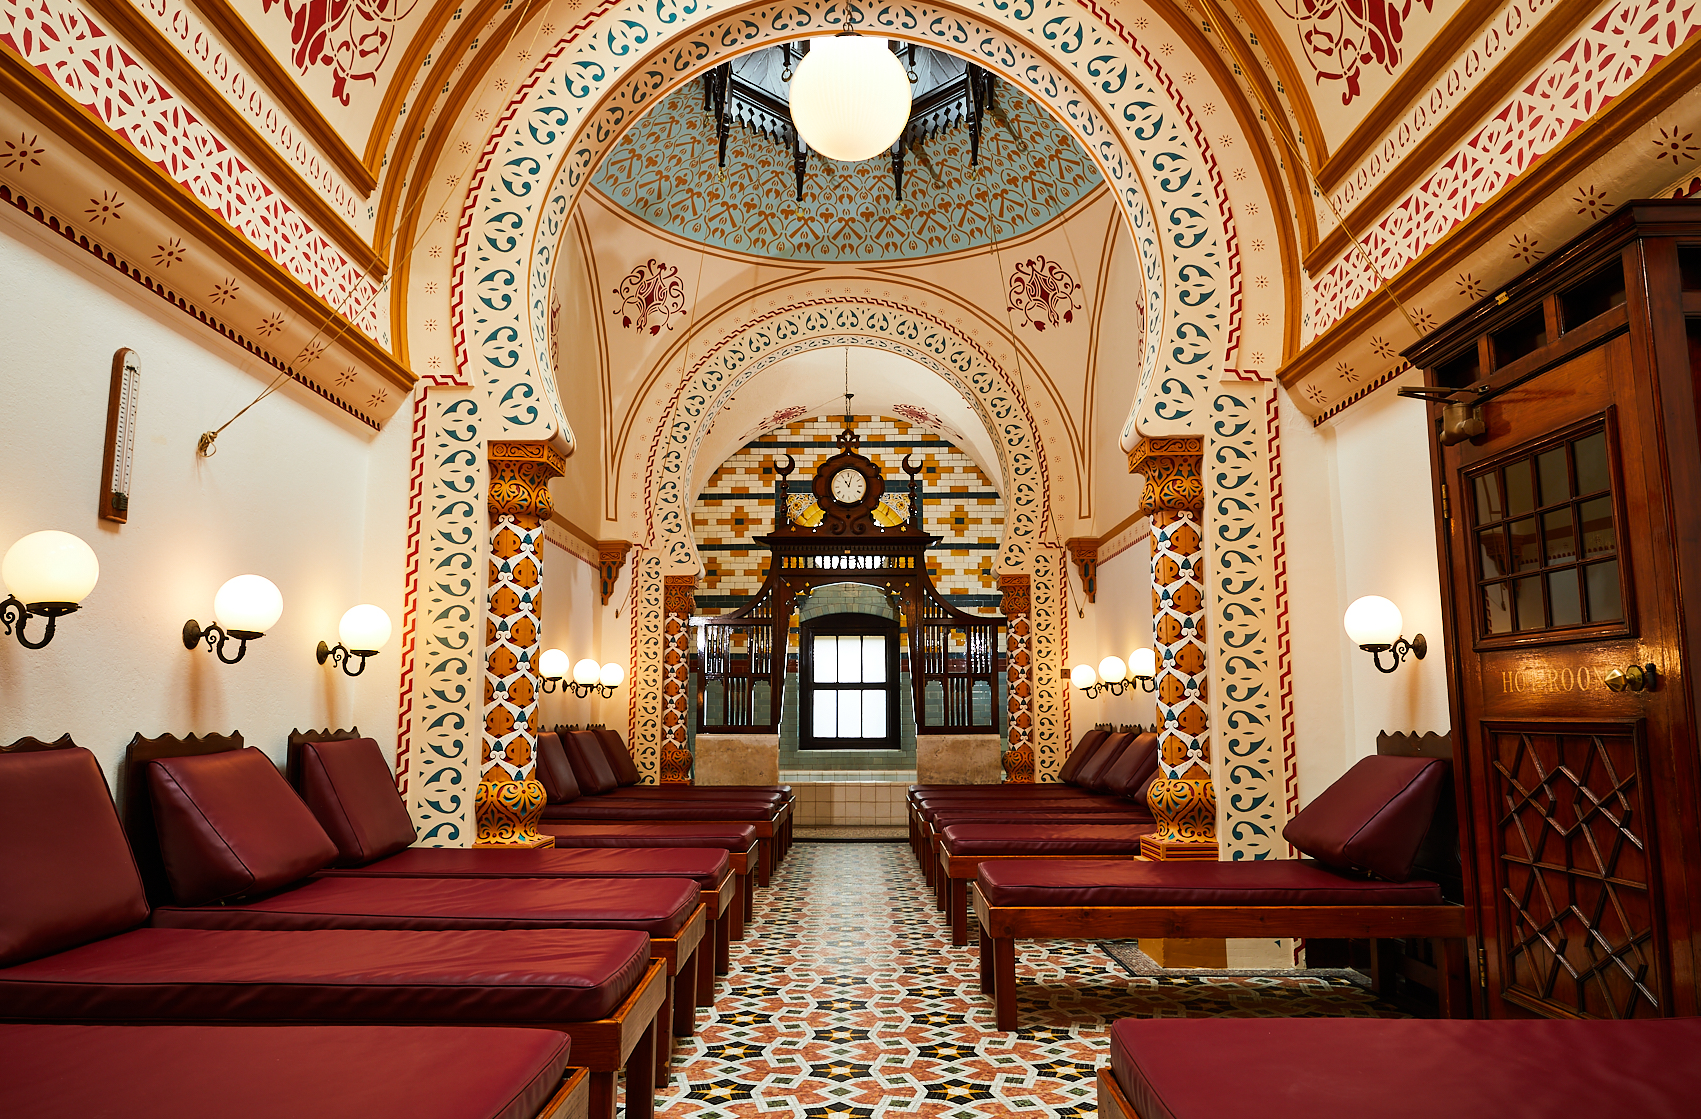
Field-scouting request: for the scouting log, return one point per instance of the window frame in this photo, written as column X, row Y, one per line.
column 846, row 625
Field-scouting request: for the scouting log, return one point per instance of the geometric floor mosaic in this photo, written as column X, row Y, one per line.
column 847, row 1001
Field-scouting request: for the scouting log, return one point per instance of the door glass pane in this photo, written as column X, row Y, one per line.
column 1557, row 538
column 826, row 714
column 1604, row 602
column 850, row 660
column 933, row 704
column 1488, row 498
column 1492, row 544
column 1591, row 455
column 874, row 660
column 1556, row 479
column 1526, row 549
column 1598, row 538
column 850, row 714
column 826, row 661
column 1520, row 488
column 1497, row 608
column 1562, row 595
column 980, row 704
column 873, row 714
column 1529, row 595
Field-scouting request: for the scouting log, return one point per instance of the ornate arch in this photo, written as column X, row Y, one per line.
column 740, row 348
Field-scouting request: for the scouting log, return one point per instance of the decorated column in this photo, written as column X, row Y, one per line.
column 679, row 604
column 510, row 798
column 1019, row 758
column 1183, row 799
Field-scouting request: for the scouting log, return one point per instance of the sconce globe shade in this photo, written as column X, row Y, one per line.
column 1111, row 669
column 612, row 675
column 248, row 604
column 850, row 97
column 587, row 672
column 1083, row 676
column 1142, row 664
column 365, row 629
column 552, row 664
column 1373, row 620
column 49, row 566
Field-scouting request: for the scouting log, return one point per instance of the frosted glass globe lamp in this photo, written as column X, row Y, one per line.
column 552, row 669
column 1374, row 624
column 47, row 575
column 1143, row 669
column 362, row 632
column 244, row 609
column 850, row 97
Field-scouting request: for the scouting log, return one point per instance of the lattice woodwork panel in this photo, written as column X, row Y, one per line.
column 1578, row 911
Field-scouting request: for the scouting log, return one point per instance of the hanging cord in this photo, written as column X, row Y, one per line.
column 337, row 320
column 1021, row 376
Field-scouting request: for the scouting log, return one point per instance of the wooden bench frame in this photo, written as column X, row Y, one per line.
column 573, row 1099
column 958, row 872
column 1002, row 926
column 625, row 1039
column 679, row 1008
column 1113, row 1101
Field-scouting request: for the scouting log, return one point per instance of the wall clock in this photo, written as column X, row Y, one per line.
column 849, row 486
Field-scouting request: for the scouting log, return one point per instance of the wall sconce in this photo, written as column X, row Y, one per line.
column 363, row 631
column 245, row 608
column 1374, row 624
column 47, row 575
column 588, row 676
column 1115, row 676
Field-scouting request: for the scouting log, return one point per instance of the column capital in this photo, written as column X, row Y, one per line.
column 519, row 478
column 1172, row 466
column 1017, row 593
column 678, row 593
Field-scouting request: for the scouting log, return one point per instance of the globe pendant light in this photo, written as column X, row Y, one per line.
column 850, row 97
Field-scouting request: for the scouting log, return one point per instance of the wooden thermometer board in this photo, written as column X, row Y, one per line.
column 120, row 437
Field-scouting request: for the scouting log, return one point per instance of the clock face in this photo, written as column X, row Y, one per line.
column 849, row 486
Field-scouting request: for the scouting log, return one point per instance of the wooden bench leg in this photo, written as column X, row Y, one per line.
column 602, row 1095
column 662, row 1052
column 764, row 862
column 685, row 997
column 641, row 1076
column 1455, row 992
column 706, row 953
column 1004, row 981
column 733, row 917
column 747, row 887
column 959, row 910
column 986, row 981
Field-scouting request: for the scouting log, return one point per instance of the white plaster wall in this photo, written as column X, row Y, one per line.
column 572, row 622
column 1361, row 521
column 286, row 497
column 1118, row 623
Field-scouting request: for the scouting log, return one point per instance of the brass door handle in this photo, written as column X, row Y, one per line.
column 1634, row 678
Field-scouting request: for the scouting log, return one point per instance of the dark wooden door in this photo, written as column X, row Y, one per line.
column 1557, row 533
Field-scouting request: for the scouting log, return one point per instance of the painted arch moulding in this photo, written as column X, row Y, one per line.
column 1085, row 66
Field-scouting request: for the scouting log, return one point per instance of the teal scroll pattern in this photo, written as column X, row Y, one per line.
column 1094, row 76
column 1254, row 761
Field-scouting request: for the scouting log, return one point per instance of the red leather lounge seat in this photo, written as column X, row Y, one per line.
column 326, row 1072
column 72, row 949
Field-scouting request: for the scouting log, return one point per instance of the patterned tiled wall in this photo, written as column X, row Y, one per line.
column 737, row 505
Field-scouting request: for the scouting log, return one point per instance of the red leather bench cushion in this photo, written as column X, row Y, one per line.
column 1374, row 817
column 1043, row 839
column 725, row 837
column 198, row 1072
column 1047, row 788
column 1131, row 816
column 1091, row 774
column 619, row 758
column 230, row 826
column 590, row 763
column 554, row 770
column 1305, row 1068
column 1121, row 882
column 350, row 790
column 655, row 811
column 66, row 873
column 1021, row 810
column 1083, row 750
column 772, row 795
column 706, row 867
column 1136, row 765
column 332, row 976
column 656, row 906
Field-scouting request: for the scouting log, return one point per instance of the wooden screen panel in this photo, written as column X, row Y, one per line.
column 1575, row 877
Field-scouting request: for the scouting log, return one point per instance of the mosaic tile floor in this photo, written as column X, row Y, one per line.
column 847, row 1001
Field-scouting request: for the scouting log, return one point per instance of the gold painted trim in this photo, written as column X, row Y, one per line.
column 235, row 30
column 1623, row 116
column 556, row 518
column 191, row 84
column 1123, row 526
column 1090, row 382
column 1465, row 119
column 413, row 61
column 36, row 94
column 1299, row 96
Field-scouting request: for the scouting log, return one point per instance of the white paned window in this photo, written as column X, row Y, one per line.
column 852, row 684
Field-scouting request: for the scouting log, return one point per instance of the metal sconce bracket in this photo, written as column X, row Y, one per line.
column 561, row 683
column 343, row 656
column 15, row 614
column 216, row 638
column 1416, row 647
column 1117, row 687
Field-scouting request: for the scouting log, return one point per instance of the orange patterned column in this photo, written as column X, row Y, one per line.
column 1183, row 798
column 510, row 798
column 678, row 605
column 1019, row 759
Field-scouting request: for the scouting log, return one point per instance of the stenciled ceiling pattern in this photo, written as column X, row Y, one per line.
column 664, row 173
